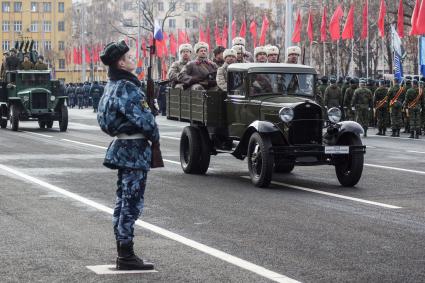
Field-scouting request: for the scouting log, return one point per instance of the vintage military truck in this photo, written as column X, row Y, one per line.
column 32, row 96
column 269, row 116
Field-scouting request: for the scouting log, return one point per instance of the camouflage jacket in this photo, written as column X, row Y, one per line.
column 380, row 94
column 332, row 96
column 123, row 110
column 410, row 100
column 222, row 77
column 392, row 92
column 348, row 96
column 362, row 98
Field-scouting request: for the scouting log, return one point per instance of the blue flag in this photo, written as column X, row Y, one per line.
column 422, row 54
column 158, row 31
column 398, row 53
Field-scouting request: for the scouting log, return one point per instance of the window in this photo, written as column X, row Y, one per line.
column 47, row 45
column 61, row 63
column 187, row 23
column 5, row 45
column 61, row 7
column 34, row 6
column 47, row 7
column 194, row 7
column 47, row 26
column 34, row 26
column 187, row 7
column 5, row 7
column 61, row 26
column 17, row 26
column 17, row 6
column 171, row 23
column 5, row 26
column 195, row 24
column 61, row 45
column 35, row 46
column 160, row 6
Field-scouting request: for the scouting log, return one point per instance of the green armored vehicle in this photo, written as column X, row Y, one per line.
column 32, row 96
column 269, row 116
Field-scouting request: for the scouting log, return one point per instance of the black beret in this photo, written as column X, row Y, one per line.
column 113, row 52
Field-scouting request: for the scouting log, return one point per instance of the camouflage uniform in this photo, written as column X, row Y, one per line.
column 222, row 77
column 362, row 103
column 413, row 106
column 395, row 108
column 380, row 105
column 123, row 110
column 348, row 96
column 332, row 96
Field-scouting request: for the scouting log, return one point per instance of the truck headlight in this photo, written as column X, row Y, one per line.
column 26, row 98
column 334, row 115
column 286, row 114
column 52, row 98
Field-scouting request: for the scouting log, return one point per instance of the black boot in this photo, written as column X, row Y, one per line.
column 393, row 132
column 127, row 260
column 379, row 133
column 397, row 133
column 365, row 133
column 416, row 134
column 384, row 130
column 412, row 133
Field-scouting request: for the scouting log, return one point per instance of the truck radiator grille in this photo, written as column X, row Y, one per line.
column 39, row 100
column 306, row 128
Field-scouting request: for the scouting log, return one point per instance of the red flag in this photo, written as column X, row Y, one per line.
column 180, row 38
column 233, row 29
column 400, row 20
column 217, row 35
column 414, row 19
column 334, row 24
column 75, row 56
column 208, row 35
column 296, row 35
column 242, row 32
column 365, row 28
column 80, row 55
column 420, row 22
column 253, row 31
column 323, row 26
column 310, row 26
column 164, row 44
column 348, row 32
column 381, row 19
column 163, row 69
column 173, row 45
column 224, row 36
column 187, row 39
column 201, row 34
column 264, row 28
column 144, row 48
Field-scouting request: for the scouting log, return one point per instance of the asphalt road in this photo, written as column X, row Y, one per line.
column 56, row 197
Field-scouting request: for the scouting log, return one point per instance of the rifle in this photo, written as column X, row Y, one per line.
column 157, row 160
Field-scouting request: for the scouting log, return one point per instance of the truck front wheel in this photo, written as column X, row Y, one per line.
column 260, row 160
column 14, row 117
column 349, row 167
column 63, row 119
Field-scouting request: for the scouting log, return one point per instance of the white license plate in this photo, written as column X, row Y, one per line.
column 337, row 149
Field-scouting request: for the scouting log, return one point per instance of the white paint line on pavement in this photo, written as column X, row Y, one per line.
column 111, row 269
column 333, row 195
column 395, row 169
column 170, row 138
column 399, row 138
column 266, row 273
column 414, row 151
column 37, row 134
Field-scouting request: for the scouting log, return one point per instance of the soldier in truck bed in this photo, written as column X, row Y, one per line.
column 185, row 51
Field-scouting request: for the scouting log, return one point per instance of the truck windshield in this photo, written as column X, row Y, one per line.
column 286, row 84
column 35, row 79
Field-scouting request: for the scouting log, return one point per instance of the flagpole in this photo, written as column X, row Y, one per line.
column 229, row 35
column 367, row 41
column 352, row 57
column 324, row 59
column 419, row 55
column 311, row 54
column 383, row 58
column 337, row 58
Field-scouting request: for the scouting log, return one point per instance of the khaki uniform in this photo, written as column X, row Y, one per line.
column 174, row 71
column 380, row 106
column 362, row 102
column 198, row 74
column 332, row 96
column 348, row 96
column 40, row 66
column 413, row 106
column 395, row 107
column 27, row 66
column 222, row 77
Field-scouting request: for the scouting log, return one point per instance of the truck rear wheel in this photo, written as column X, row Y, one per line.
column 14, row 117
column 63, row 118
column 205, row 152
column 349, row 167
column 260, row 160
column 190, row 150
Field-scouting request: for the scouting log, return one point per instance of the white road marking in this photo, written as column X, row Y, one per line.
column 400, row 138
column 396, row 169
column 414, row 151
column 266, row 273
column 37, row 134
column 333, row 195
column 170, row 138
column 111, row 269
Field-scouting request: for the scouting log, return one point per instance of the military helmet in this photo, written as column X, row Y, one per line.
column 347, row 79
column 354, row 81
column 272, row 50
column 112, row 52
column 259, row 49
column 185, row 47
column 229, row 52
column 238, row 41
column 200, row 45
column 362, row 81
column 332, row 80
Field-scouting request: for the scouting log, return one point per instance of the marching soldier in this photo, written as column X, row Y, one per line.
column 229, row 58
column 324, row 85
column 395, row 98
column 70, row 90
column 380, row 107
column 95, row 93
column 413, row 105
column 408, row 85
column 260, row 54
column 292, row 54
column 362, row 104
column 199, row 74
column 272, row 54
column 332, row 96
column 27, row 64
column 79, row 93
column 40, row 65
column 348, row 96
column 185, row 51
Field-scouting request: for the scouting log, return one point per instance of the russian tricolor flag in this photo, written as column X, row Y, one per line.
column 158, row 31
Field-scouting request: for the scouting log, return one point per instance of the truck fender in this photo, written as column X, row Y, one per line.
column 342, row 129
column 262, row 127
column 16, row 101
